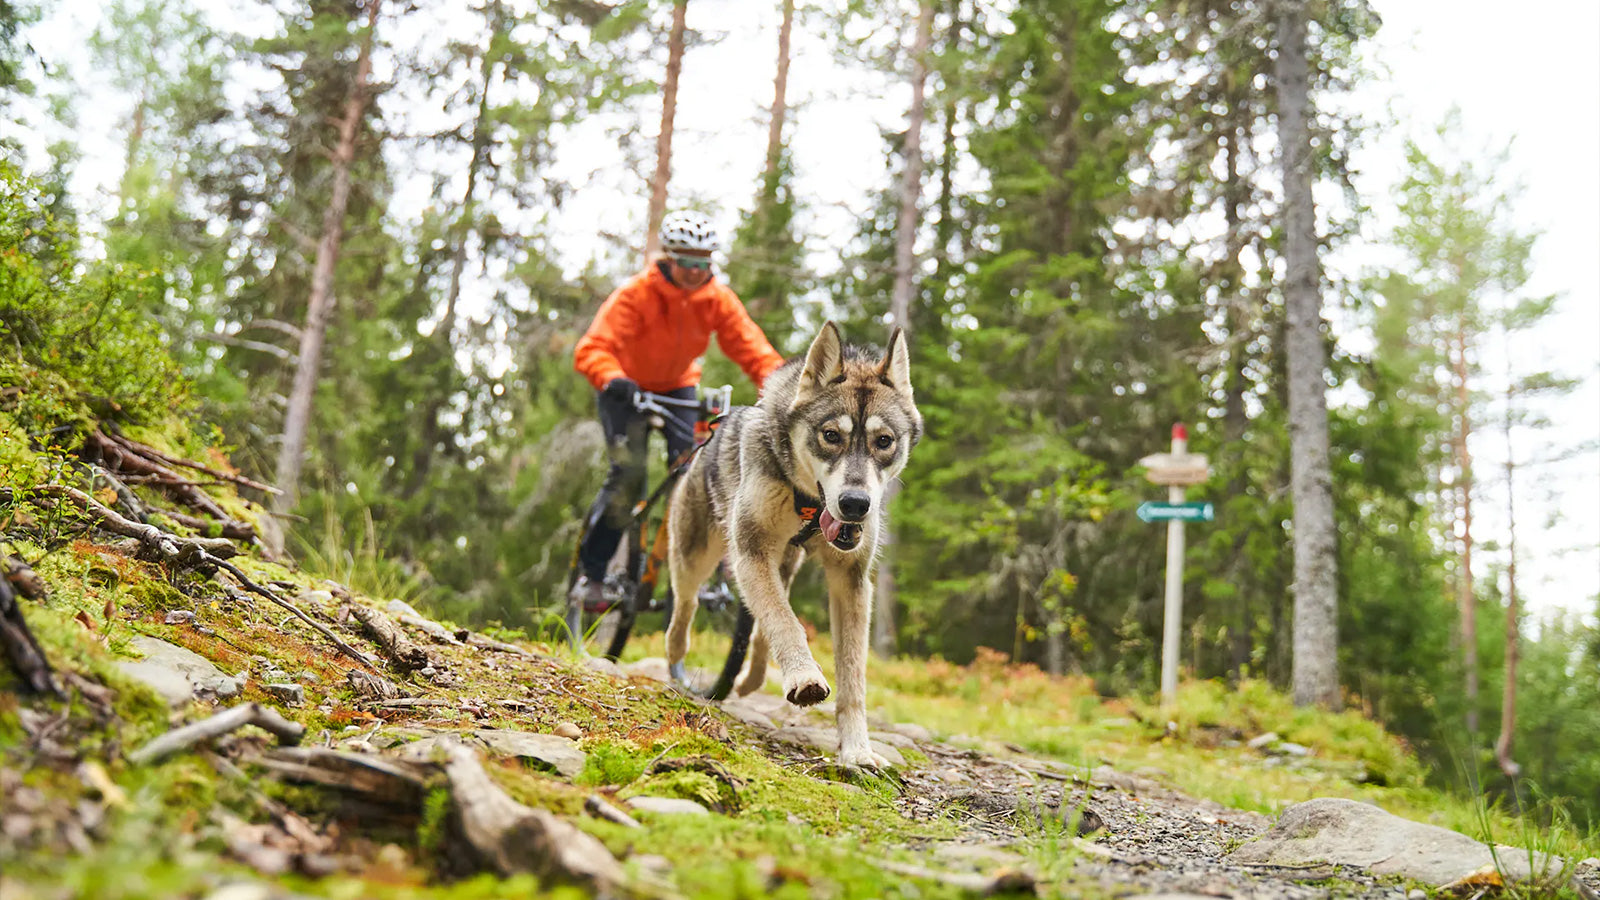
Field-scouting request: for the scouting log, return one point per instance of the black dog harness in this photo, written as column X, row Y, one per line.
column 809, row 509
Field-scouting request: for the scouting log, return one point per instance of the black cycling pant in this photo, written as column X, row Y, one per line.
column 627, row 439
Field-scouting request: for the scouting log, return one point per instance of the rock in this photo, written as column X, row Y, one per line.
column 654, row 667
column 826, row 739
column 979, row 855
column 175, row 673
column 912, row 730
column 179, row 617
column 747, row 712
column 318, row 598
column 1332, row 830
column 287, row 692
column 1288, row 748
column 668, row 805
column 568, row 730
column 559, row 753
column 1263, row 740
column 604, row 666
column 893, row 739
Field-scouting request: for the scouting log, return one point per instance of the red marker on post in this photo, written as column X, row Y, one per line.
column 1177, row 469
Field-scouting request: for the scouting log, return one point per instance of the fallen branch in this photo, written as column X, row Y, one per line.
column 123, row 458
column 19, row 644
column 254, row 588
column 216, row 726
column 379, row 779
column 407, row 615
column 231, row 528
column 151, row 453
column 596, row 806
column 405, row 654
column 162, row 545
column 125, row 495
column 473, row 639
column 499, row 833
column 370, row 686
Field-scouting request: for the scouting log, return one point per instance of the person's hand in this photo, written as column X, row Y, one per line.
column 622, row 390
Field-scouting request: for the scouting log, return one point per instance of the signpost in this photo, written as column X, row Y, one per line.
column 1176, row 470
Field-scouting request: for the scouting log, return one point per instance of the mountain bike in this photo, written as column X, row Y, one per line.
column 642, row 585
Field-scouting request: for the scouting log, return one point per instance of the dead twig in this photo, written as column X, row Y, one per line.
column 254, row 588
column 405, row 654
column 165, row 546
column 407, row 615
column 473, row 639
column 220, row 724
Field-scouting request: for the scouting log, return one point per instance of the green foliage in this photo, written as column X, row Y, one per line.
column 74, row 346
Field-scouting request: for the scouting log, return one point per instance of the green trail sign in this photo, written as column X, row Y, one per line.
column 1179, row 512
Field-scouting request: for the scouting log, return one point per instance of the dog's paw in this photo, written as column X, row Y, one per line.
column 806, row 691
column 863, row 758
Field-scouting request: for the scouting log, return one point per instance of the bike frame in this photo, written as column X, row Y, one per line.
column 646, row 551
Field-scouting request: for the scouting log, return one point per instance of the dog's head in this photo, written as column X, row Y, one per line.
column 852, row 423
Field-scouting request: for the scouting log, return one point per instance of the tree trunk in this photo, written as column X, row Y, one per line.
column 1508, row 700
column 291, row 451
column 780, row 92
column 883, row 623
column 1316, row 623
column 669, row 109
column 1464, row 589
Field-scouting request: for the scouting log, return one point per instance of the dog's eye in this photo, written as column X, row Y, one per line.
column 885, row 441
column 831, row 436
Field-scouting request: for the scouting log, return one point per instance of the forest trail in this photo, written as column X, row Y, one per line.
column 460, row 752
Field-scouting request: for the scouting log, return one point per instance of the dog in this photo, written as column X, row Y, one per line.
column 803, row 472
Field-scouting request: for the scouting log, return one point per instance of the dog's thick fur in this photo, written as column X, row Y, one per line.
column 837, row 425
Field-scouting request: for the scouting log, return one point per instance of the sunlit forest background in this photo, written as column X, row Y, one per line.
column 1097, row 250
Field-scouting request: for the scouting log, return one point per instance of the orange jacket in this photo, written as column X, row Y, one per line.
column 654, row 332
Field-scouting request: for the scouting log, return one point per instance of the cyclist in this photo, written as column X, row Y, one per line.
column 649, row 335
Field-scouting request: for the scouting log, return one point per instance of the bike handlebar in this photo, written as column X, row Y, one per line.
column 710, row 404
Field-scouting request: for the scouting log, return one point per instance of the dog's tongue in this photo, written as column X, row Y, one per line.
column 829, row 525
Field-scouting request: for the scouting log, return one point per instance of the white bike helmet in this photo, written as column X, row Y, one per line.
column 688, row 230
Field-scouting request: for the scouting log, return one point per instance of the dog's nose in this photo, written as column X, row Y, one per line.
column 853, row 505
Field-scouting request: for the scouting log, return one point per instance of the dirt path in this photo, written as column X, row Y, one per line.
column 1139, row 837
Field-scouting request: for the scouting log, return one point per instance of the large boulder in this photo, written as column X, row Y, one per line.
column 1331, row 830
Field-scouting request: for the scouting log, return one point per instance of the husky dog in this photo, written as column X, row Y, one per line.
column 801, row 472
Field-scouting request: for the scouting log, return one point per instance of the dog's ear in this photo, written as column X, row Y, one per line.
column 824, row 361
column 895, row 370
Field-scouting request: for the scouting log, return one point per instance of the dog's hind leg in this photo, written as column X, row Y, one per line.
column 850, row 617
column 754, row 674
column 689, row 563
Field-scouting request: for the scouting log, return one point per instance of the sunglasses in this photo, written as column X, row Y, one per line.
column 693, row 262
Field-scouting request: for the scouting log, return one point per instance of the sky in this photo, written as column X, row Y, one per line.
column 1528, row 75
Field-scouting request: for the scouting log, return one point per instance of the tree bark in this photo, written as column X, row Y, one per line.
column 883, row 621
column 1465, row 601
column 780, row 94
column 291, row 452
column 1508, row 699
column 1316, row 636
column 669, row 110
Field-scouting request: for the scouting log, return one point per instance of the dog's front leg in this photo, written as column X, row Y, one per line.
column 850, row 615
column 759, row 580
